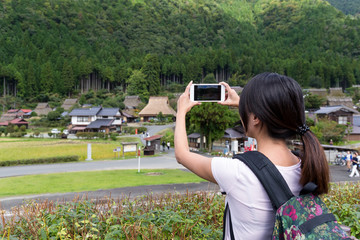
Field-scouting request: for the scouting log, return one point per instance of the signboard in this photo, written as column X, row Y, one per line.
column 130, row 148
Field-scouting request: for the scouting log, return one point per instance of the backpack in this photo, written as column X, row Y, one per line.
column 296, row 217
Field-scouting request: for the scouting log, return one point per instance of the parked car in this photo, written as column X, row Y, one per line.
column 66, row 132
column 55, row 131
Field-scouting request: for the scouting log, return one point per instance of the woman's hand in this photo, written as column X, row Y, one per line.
column 231, row 97
column 184, row 103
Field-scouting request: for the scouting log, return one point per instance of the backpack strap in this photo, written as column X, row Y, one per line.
column 269, row 176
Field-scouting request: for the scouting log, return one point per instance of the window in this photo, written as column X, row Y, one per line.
column 342, row 120
column 82, row 119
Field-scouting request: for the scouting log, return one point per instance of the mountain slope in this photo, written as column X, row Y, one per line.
column 63, row 47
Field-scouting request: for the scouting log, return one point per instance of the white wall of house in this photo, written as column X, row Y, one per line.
column 82, row 120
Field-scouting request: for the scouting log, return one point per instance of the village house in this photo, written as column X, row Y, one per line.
column 42, row 109
column 130, row 113
column 132, row 102
column 12, row 114
column 337, row 101
column 154, row 107
column 24, row 113
column 342, row 115
column 17, row 121
column 95, row 119
column 69, row 103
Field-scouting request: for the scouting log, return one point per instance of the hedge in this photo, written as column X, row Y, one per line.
column 40, row 161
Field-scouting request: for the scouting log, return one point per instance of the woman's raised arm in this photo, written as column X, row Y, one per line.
column 196, row 163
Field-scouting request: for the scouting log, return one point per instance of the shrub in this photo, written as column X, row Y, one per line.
column 113, row 136
column 166, row 216
column 23, row 128
column 131, row 130
column 344, row 201
column 40, row 161
column 17, row 134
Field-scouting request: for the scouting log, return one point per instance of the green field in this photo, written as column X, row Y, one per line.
column 90, row 181
column 30, row 148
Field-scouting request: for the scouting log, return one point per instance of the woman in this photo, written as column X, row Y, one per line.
column 271, row 110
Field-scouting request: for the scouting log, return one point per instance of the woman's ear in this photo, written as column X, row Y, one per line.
column 255, row 120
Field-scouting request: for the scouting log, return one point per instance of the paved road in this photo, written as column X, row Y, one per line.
column 166, row 160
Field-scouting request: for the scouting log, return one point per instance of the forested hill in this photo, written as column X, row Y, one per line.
column 67, row 46
column 347, row 6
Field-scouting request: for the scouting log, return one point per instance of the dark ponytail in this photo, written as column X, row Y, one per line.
column 278, row 102
column 314, row 166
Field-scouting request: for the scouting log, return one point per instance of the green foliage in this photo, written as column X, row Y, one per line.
column 348, row 6
column 53, row 116
column 211, row 119
column 137, row 84
column 66, row 46
column 168, row 136
column 344, row 201
column 39, row 161
column 166, row 216
column 131, row 130
column 313, row 101
column 325, row 130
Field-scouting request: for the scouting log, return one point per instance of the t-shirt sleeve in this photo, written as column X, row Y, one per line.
column 226, row 172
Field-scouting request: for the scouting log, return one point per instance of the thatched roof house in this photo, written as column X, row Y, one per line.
column 336, row 101
column 322, row 92
column 68, row 103
column 131, row 102
column 155, row 106
column 42, row 109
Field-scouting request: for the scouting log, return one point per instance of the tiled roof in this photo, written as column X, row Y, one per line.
column 194, row 135
column 331, row 109
column 232, row 133
column 152, row 138
column 18, row 120
column 85, row 111
column 100, row 123
column 108, row 112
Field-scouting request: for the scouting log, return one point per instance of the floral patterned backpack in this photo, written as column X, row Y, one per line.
column 297, row 217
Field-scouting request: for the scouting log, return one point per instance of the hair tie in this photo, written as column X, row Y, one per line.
column 302, row 129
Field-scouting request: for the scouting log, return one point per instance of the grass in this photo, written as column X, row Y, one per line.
column 90, row 181
column 30, row 148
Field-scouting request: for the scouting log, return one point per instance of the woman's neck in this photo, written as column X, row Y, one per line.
column 276, row 150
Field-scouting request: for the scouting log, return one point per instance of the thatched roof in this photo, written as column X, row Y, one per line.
column 68, row 103
column 157, row 105
column 336, row 101
column 42, row 109
column 132, row 101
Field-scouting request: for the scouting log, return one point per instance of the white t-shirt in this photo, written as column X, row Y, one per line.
column 252, row 214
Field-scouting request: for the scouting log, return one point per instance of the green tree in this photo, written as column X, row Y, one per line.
column 46, row 78
column 326, row 129
column 151, row 69
column 313, row 101
column 68, row 78
column 209, row 78
column 137, row 84
column 211, row 120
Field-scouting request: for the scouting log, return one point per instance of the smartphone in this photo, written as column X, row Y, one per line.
column 207, row 92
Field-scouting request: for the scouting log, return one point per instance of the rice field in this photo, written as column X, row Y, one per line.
column 22, row 148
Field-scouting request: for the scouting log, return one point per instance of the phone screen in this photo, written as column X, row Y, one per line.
column 207, row 92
